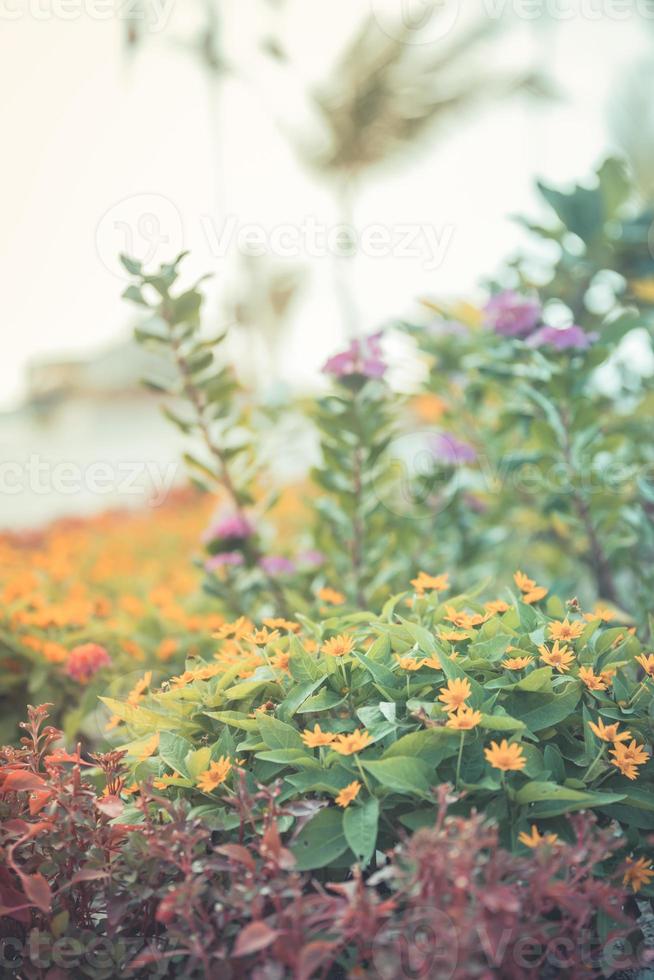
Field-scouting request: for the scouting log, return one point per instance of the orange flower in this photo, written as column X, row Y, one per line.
column 167, row 648
column 536, row 839
column 280, row 661
column 535, row 595
column 349, row 744
column 505, row 756
column 338, row 646
column 431, row 583
column 317, row 737
column 558, row 657
column 409, row 663
column 628, row 758
column 464, row 719
column 348, row 794
column 453, row 636
column 517, row 663
column 594, row 683
column 261, row 637
column 603, row 613
column 608, row 733
column 647, row 663
column 456, row 693
column 524, row 583
column 565, row 630
column 331, row 596
column 463, row 619
column 637, row 873
column 282, row 624
column 434, row 661
column 216, row 774
column 496, row 606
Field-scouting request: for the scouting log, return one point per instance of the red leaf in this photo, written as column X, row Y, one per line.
column 236, row 852
column 313, row 956
column 38, row 891
column 112, row 806
column 22, row 780
column 39, row 800
column 253, row 938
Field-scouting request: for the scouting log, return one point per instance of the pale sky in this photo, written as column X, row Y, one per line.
column 102, row 152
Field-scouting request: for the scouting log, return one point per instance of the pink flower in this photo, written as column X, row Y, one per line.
column 451, row 450
column 512, row 315
column 222, row 559
column 86, row 660
column 231, row 527
column 312, row 557
column 276, row 565
column 362, row 357
column 564, row 338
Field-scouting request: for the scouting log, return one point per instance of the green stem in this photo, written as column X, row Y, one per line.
column 595, row 762
column 459, row 757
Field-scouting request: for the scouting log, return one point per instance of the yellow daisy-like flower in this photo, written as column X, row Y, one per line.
column 317, row 737
column 216, row 774
column 505, row 756
column 349, row 744
column 603, row 613
column 632, row 753
column 517, row 663
column 608, row 733
column 535, row 595
column 496, row 606
column 409, row 663
column 565, row 630
column 637, row 873
column 558, row 657
column 348, row 794
column 524, row 583
column 453, row 636
column 331, row 596
column 261, row 637
column 279, row 623
column 464, row 719
column 281, row 660
column 431, row 583
column 456, row 693
column 338, row 646
column 463, row 619
column 592, row 681
column 647, row 663
column 535, row 838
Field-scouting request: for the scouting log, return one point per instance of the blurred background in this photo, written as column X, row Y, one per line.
column 328, row 162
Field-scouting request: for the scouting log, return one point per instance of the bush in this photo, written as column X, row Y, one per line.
column 86, row 891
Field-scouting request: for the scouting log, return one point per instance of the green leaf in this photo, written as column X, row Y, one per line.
column 360, row 826
column 431, row 745
column 174, row 750
column 501, row 723
column 320, row 841
column 540, row 711
column 278, row 735
column 401, row 774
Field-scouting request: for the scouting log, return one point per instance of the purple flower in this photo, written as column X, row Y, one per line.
column 231, row 527
column 222, row 559
column 564, row 338
column 312, row 557
column 452, row 450
column 361, row 357
column 512, row 315
column 276, row 565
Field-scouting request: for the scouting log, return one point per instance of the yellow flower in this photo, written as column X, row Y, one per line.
column 338, row 646
column 239, row 629
column 281, row 660
column 136, row 694
column 433, row 583
column 150, row 747
column 163, row 782
column 409, row 663
column 647, row 663
column 633, row 752
column 524, row 583
column 505, row 756
column 496, row 606
column 331, row 596
column 317, row 737
column 558, row 657
column 464, row 719
column 456, row 693
column 535, row 595
column 282, row 624
column 348, row 794
column 608, row 733
column 637, row 873
column 261, row 637
column 517, row 663
column 216, row 774
column 434, row 661
column 603, row 613
column 594, row 683
column 565, row 630
column 536, row 839
column 349, row 744
column 453, row 636
column 464, row 620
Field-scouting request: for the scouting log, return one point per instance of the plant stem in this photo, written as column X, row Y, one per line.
column 458, row 760
column 595, row 762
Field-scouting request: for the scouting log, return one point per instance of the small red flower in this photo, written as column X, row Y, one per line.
column 86, row 660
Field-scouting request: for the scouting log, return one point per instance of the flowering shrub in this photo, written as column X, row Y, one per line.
column 88, row 889
column 531, row 709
